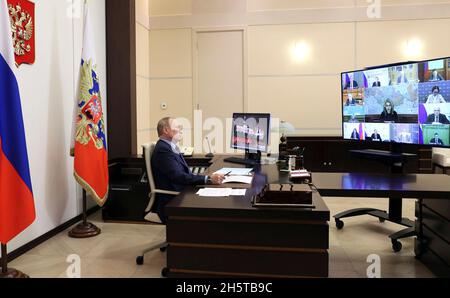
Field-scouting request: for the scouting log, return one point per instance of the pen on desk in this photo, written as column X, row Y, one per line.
column 228, row 174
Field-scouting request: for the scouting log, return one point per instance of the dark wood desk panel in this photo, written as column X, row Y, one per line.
column 433, row 214
column 227, row 237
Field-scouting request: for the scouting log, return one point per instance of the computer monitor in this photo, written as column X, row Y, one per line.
column 403, row 103
column 250, row 132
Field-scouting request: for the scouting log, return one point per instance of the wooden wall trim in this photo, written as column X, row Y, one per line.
column 121, row 76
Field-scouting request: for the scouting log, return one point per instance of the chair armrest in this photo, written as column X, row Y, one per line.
column 166, row 192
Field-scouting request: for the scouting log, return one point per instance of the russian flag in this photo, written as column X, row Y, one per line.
column 16, row 195
column 88, row 131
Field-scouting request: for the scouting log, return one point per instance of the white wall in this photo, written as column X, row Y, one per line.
column 48, row 94
column 142, row 73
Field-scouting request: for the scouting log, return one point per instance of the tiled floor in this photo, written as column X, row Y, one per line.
column 113, row 253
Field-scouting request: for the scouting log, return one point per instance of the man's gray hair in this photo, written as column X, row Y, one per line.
column 162, row 125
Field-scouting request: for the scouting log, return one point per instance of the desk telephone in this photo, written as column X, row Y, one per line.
column 187, row 151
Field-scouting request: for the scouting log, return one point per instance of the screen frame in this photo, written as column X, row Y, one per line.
column 378, row 67
column 256, row 115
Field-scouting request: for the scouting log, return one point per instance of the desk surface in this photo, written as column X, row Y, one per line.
column 189, row 204
column 383, row 185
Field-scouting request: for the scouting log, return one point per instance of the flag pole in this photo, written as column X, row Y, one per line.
column 84, row 229
column 9, row 273
column 4, row 259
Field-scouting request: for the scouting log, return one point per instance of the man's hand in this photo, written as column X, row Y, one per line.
column 217, row 179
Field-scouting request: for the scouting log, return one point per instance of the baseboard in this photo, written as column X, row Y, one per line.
column 30, row 245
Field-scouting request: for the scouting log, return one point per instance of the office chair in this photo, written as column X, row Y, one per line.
column 152, row 217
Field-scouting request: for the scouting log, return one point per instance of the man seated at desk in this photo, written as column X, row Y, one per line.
column 170, row 170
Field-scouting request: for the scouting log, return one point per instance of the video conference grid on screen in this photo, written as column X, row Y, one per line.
column 408, row 103
column 251, row 132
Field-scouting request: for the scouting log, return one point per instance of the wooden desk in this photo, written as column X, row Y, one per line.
column 432, row 226
column 227, row 237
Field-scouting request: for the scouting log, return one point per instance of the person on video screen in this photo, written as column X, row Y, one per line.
column 435, row 96
column 402, row 79
column 436, row 140
column 350, row 100
column 355, row 135
column 437, row 117
column 376, row 136
column 353, row 119
column 389, row 114
column 435, row 76
column 351, row 83
column 377, row 82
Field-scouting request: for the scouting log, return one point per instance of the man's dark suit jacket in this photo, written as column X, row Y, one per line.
column 442, row 119
column 355, row 136
column 348, row 85
column 376, row 137
column 439, row 142
column 376, row 84
column 170, row 172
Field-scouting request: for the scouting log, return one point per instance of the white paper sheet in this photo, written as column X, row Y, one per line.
column 235, row 171
column 238, row 192
column 221, row 192
column 214, row 192
column 238, row 179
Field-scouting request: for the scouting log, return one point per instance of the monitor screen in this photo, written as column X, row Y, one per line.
column 250, row 132
column 402, row 103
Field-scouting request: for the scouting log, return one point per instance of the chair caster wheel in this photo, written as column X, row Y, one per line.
column 396, row 245
column 382, row 220
column 140, row 260
column 339, row 224
column 163, row 249
column 165, row 272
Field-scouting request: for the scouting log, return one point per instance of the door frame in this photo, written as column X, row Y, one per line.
column 195, row 81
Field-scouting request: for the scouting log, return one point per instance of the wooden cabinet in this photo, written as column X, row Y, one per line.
column 332, row 154
column 433, row 227
column 425, row 161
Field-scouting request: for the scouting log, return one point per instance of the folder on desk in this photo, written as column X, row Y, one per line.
column 235, row 171
column 221, row 192
column 238, row 179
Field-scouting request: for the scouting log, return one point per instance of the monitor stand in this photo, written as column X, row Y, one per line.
column 395, row 160
column 251, row 159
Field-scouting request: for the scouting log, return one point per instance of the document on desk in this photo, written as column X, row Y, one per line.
column 238, row 179
column 215, row 192
column 235, row 171
column 221, row 192
column 238, row 192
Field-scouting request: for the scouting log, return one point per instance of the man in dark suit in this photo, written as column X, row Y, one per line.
column 437, row 117
column 351, row 85
column 376, row 136
column 170, row 170
column 377, row 82
column 436, row 140
column 350, row 82
column 355, row 135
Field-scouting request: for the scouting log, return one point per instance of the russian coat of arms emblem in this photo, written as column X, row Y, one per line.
column 21, row 14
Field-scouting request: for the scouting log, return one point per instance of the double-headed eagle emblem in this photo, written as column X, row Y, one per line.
column 21, row 14
column 90, row 123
